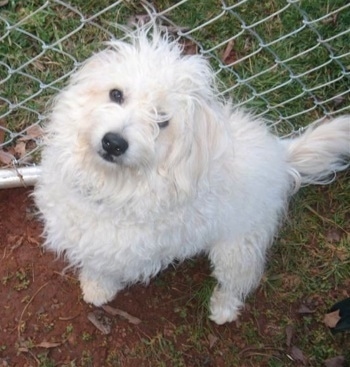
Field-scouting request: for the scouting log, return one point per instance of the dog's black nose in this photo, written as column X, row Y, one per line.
column 114, row 144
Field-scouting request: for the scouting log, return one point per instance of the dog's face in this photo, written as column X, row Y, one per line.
column 127, row 109
column 141, row 105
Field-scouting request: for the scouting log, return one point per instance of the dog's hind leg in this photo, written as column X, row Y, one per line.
column 238, row 268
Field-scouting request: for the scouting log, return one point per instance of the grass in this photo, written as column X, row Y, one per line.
column 273, row 86
column 310, row 263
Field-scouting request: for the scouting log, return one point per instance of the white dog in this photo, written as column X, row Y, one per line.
column 143, row 166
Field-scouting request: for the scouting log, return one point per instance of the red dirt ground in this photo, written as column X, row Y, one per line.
column 43, row 318
column 42, row 310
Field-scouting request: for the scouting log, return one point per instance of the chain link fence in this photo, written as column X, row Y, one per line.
column 288, row 60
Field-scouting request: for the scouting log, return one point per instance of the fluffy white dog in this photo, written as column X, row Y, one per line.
column 143, row 165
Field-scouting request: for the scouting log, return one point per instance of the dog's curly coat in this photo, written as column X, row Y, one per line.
column 144, row 165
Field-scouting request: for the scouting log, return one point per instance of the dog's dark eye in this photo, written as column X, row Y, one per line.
column 163, row 124
column 116, row 96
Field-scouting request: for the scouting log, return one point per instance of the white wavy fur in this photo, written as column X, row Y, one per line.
column 213, row 181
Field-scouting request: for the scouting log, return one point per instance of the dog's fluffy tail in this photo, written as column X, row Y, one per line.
column 320, row 152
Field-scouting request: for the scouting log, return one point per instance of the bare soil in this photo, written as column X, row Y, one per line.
column 45, row 322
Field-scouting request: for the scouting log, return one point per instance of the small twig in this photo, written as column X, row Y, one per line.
column 25, row 308
column 254, row 350
column 313, row 211
column 257, row 354
column 19, row 242
column 68, row 318
column 63, row 275
column 34, row 356
column 4, row 254
column 33, row 274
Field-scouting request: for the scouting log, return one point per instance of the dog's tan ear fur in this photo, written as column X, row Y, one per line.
column 188, row 162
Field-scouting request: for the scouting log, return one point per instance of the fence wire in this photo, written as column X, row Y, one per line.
column 288, row 60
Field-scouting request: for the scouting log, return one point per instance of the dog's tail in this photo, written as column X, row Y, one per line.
column 320, row 152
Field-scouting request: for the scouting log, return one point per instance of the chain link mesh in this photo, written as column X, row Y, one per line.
column 288, row 60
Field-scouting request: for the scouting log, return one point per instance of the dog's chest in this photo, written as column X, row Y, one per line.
column 155, row 229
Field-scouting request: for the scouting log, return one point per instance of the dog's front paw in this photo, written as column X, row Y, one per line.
column 94, row 292
column 224, row 306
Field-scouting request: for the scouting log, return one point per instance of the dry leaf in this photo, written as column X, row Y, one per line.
column 2, row 135
column 189, row 47
column 33, row 132
column 333, row 236
column 138, row 19
column 289, row 335
column 338, row 361
column 115, row 311
column 303, row 309
column 4, row 2
column 100, row 322
column 20, row 149
column 331, row 319
column 337, row 101
column 228, row 50
column 229, row 56
column 23, row 349
column 2, row 131
column 6, row 158
column 212, row 340
column 342, row 253
column 47, row 345
column 297, row 355
column 39, row 65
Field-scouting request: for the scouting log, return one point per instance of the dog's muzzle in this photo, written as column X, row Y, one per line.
column 113, row 145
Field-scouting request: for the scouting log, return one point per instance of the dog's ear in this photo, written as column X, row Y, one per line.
column 199, row 146
column 197, row 79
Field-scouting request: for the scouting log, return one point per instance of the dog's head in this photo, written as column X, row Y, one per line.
column 140, row 105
